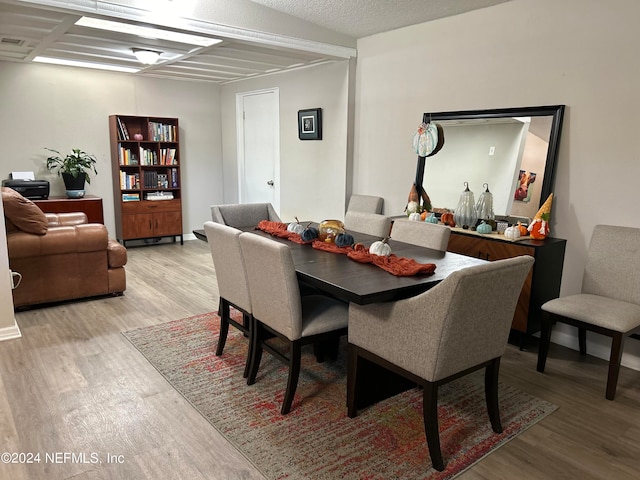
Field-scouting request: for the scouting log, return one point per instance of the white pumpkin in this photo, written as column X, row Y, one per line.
column 512, row 232
column 380, row 248
column 295, row 227
column 415, row 217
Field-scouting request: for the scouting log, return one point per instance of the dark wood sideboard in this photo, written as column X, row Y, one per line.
column 89, row 204
column 542, row 283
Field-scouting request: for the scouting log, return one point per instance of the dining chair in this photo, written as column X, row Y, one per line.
column 368, row 223
column 233, row 289
column 243, row 214
column 459, row 326
column 424, row 234
column 280, row 310
column 609, row 301
column 365, row 203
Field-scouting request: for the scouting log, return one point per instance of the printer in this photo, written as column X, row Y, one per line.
column 31, row 189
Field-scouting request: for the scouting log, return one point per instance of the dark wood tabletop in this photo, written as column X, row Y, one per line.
column 351, row 281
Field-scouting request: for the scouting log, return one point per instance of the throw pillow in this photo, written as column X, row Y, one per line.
column 23, row 213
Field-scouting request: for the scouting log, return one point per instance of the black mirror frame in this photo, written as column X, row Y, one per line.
column 556, row 111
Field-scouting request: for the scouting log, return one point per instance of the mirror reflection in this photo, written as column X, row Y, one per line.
column 512, row 150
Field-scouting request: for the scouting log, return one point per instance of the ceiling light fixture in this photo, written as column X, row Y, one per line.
column 148, row 57
column 147, row 32
column 76, row 63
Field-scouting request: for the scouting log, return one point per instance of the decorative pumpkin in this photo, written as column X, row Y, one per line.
column 431, row 218
column 539, row 229
column 447, row 219
column 414, row 217
column 423, row 215
column 309, row 234
column 295, row 227
column 512, row 232
column 483, row 228
column 344, row 240
column 329, row 229
column 523, row 230
column 380, row 248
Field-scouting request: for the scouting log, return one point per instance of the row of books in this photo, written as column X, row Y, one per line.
column 161, row 132
column 130, row 197
column 123, row 132
column 129, row 181
column 154, row 179
column 147, row 156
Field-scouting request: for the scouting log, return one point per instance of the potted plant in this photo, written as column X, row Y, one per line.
column 74, row 169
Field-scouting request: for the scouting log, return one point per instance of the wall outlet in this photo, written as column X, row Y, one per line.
column 492, row 150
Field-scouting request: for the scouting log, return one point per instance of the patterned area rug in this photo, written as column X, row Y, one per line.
column 317, row 440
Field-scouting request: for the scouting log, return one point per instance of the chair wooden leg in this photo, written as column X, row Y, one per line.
column 617, row 342
column 256, row 351
column 295, row 356
column 431, row 428
column 248, row 323
column 545, row 340
column 352, row 377
column 582, row 340
column 224, row 325
column 491, row 393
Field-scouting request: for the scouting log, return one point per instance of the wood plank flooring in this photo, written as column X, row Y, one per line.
column 74, row 385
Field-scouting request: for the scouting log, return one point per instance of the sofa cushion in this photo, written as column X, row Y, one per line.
column 22, row 214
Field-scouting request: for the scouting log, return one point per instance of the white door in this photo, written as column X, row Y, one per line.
column 258, row 125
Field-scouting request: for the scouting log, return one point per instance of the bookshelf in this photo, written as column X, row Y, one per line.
column 147, row 191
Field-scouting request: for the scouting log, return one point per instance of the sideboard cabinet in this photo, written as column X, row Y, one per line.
column 543, row 281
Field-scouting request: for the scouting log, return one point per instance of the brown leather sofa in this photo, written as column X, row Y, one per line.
column 71, row 259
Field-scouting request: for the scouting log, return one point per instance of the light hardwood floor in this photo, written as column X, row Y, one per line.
column 74, row 385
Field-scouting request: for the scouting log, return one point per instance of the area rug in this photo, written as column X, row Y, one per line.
column 317, row 440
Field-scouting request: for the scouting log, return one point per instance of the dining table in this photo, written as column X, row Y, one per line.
column 339, row 276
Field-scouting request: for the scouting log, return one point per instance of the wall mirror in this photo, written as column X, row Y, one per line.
column 513, row 150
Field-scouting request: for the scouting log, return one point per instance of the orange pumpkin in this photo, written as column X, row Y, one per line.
column 447, row 219
column 423, row 215
column 523, row 230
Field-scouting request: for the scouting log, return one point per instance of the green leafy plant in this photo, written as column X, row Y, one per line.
column 73, row 163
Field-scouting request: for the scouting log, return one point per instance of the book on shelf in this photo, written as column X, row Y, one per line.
column 155, row 196
column 122, row 129
column 130, row 197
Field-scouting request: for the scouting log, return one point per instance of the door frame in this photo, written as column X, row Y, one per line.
column 240, row 139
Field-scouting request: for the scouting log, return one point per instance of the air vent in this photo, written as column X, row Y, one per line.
column 16, row 42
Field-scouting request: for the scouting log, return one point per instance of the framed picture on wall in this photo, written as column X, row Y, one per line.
column 310, row 124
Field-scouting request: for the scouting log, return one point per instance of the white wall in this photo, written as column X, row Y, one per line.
column 63, row 108
column 581, row 53
column 312, row 172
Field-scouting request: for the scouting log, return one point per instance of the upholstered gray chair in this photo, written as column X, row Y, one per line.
column 369, row 223
column 228, row 262
column 243, row 214
column 429, row 235
column 279, row 309
column 609, row 302
column 365, row 203
column 460, row 325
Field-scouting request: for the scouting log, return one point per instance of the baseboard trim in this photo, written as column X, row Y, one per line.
column 10, row 333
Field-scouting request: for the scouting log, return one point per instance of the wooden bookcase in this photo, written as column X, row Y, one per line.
column 145, row 160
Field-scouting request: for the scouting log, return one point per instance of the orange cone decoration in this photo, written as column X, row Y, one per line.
column 539, row 228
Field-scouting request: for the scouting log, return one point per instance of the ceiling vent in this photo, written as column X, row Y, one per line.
column 16, row 42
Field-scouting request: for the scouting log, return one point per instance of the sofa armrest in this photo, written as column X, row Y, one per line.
column 116, row 254
column 89, row 237
column 66, row 219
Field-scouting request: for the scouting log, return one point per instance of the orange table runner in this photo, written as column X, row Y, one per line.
column 398, row 266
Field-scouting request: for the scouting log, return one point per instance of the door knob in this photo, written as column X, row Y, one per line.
column 270, row 183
